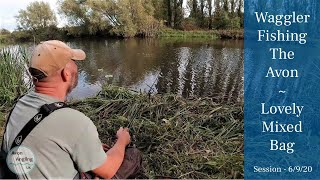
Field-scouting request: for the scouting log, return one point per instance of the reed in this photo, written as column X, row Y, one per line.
column 180, row 138
column 13, row 81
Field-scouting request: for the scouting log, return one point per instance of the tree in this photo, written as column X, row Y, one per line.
column 217, row 5
column 178, row 13
column 136, row 17
column 168, row 12
column 160, row 9
column 240, row 6
column 86, row 17
column 125, row 18
column 233, row 4
column 200, row 10
column 174, row 12
column 37, row 15
column 194, row 8
column 226, row 5
column 210, row 11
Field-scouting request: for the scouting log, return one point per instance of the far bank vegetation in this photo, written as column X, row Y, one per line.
column 128, row 18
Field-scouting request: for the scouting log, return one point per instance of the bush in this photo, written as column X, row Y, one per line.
column 4, row 39
column 21, row 35
column 51, row 32
column 4, row 32
column 234, row 23
column 43, row 34
column 189, row 24
column 223, row 20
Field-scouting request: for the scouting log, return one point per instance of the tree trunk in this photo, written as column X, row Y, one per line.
column 217, row 6
column 210, row 13
column 194, row 12
column 178, row 14
column 226, row 5
column 202, row 8
column 240, row 7
column 232, row 2
column 175, row 15
column 170, row 23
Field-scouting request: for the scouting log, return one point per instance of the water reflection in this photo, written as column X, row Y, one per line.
column 187, row 68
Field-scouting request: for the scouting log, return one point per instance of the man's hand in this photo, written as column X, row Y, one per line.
column 115, row 155
column 123, row 136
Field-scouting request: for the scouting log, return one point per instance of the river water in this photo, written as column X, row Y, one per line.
column 200, row 68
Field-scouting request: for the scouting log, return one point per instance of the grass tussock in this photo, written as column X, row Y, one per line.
column 180, row 138
column 12, row 81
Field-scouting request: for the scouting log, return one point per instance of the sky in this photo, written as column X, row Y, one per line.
column 10, row 8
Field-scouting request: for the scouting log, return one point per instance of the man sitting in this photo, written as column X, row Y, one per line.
column 66, row 142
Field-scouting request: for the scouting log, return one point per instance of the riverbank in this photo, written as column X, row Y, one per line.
column 62, row 34
column 203, row 34
column 180, row 138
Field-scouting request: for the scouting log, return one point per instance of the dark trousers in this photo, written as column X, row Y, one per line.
column 130, row 167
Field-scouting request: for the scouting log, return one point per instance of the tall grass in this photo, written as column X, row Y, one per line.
column 179, row 138
column 12, row 77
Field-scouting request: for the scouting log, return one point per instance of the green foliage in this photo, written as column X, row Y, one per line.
column 38, row 15
column 221, row 20
column 224, row 20
column 212, row 34
column 174, row 13
column 235, row 23
column 136, row 18
column 41, row 34
column 217, row 14
column 88, row 16
column 4, row 39
column 159, row 9
column 126, row 18
column 37, row 22
column 188, row 34
column 22, row 35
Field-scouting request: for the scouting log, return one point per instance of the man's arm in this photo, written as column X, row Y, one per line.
column 114, row 156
